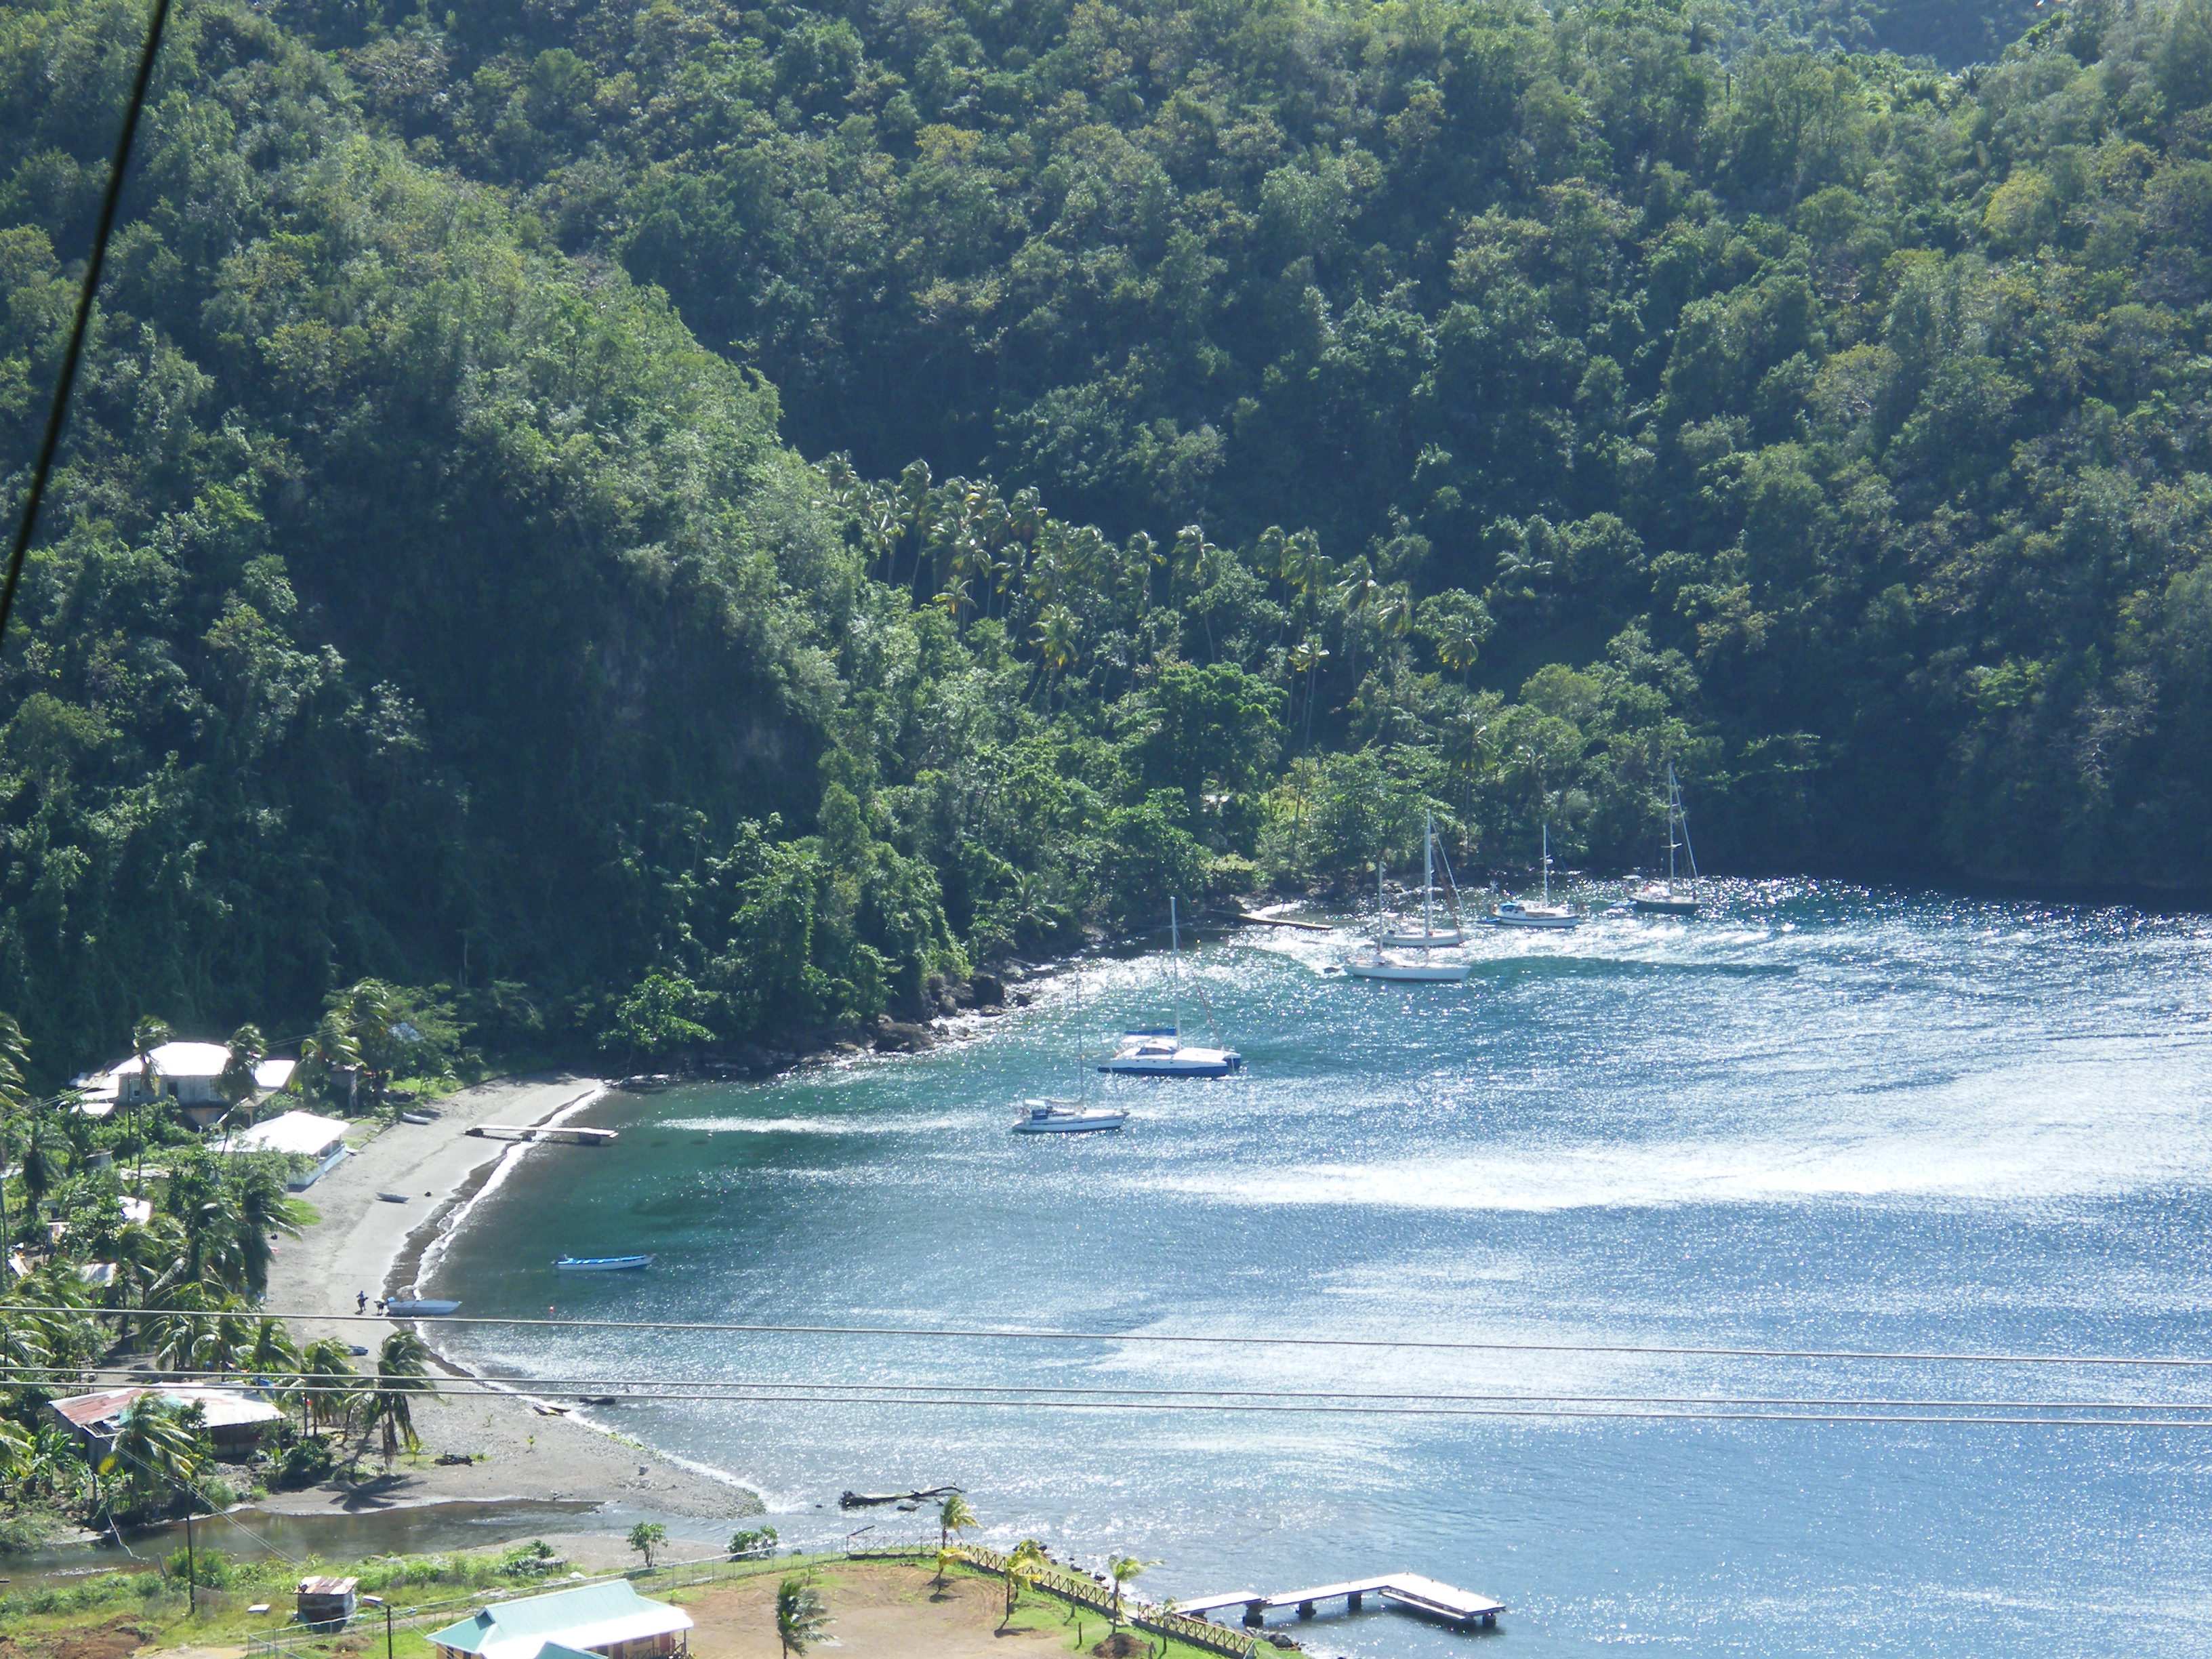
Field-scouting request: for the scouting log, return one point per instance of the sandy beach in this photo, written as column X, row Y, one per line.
column 363, row 1244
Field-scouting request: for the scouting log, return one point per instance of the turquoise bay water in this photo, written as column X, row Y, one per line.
column 1822, row 1117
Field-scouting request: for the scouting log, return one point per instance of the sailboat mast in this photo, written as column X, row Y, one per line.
column 1428, row 870
column 1175, row 960
column 1547, row 864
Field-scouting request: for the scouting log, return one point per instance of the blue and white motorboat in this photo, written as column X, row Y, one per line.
column 419, row 1307
column 601, row 1264
column 1048, row 1116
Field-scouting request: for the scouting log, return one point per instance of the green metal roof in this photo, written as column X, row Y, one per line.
column 560, row 1626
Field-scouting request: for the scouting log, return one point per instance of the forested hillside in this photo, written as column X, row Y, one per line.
column 679, row 518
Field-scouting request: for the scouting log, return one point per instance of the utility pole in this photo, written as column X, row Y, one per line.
column 192, row 1568
column 379, row 1601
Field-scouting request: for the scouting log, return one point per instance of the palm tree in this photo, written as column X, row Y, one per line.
column 401, row 1369
column 260, row 1207
column 14, row 1100
column 329, row 1378
column 15, row 1451
column 39, row 1149
column 155, row 1451
column 1022, row 1566
column 236, row 1084
column 270, row 1352
column 147, row 1035
column 953, row 1518
column 1125, row 1569
column 801, row 1620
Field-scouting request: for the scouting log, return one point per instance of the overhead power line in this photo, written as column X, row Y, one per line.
column 2051, row 1415
column 57, row 410
column 627, row 1388
column 1183, row 1339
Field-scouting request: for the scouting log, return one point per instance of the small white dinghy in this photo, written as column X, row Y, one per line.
column 1066, row 1117
column 601, row 1264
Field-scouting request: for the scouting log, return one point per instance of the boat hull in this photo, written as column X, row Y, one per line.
column 1409, row 973
column 1664, row 906
column 609, row 1264
column 1104, row 1123
column 1551, row 924
column 410, row 1309
column 1424, row 941
column 1175, row 1067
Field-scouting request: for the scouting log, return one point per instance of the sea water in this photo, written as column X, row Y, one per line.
column 1817, row 1117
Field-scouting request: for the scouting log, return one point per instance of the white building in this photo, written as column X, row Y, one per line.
column 314, row 1144
column 187, row 1073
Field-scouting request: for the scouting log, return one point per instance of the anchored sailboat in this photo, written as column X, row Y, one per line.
column 1055, row 1115
column 1376, row 962
column 1514, row 912
column 1430, row 937
column 1159, row 1050
column 1664, row 898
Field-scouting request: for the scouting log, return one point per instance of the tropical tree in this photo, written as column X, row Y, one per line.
column 155, row 1451
column 149, row 1034
column 261, row 1207
column 402, row 1373
column 1023, row 1563
column 236, row 1083
column 14, row 1101
column 646, row 1537
column 801, row 1620
column 328, row 1382
column 16, row 1452
column 1125, row 1569
column 948, row 1557
column 953, row 1518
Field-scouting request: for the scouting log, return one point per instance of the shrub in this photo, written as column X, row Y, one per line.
column 760, row 1540
column 304, row 1463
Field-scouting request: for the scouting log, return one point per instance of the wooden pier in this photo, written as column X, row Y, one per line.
column 565, row 1134
column 1409, row 1590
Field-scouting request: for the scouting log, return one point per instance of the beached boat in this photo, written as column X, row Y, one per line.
column 416, row 1117
column 1518, row 913
column 1665, row 899
column 601, row 1264
column 418, row 1307
column 1066, row 1117
column 1159, row 1051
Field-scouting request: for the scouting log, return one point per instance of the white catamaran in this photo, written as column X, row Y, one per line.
column 1159, row 1050
column 1376, row 962
column 1514, row 913
column 1665, row 899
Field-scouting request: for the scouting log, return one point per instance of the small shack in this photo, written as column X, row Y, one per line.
column 312, row 1143
column 326, row 1601
column 234, row 1421
column 611, row 1621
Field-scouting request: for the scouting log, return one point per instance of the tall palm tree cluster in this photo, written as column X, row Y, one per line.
column 1074, row 599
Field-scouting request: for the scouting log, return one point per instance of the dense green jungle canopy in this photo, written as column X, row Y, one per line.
column 716, row 514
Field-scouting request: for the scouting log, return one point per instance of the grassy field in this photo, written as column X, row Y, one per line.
column 879, row 1608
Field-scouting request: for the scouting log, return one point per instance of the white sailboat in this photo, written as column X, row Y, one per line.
column 1159, row 1050
column 1514, row 912
column 1050, row 1116
column 1055, row 1115
column 1430, row 937
column 1664, row 898
column 1376, row 962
